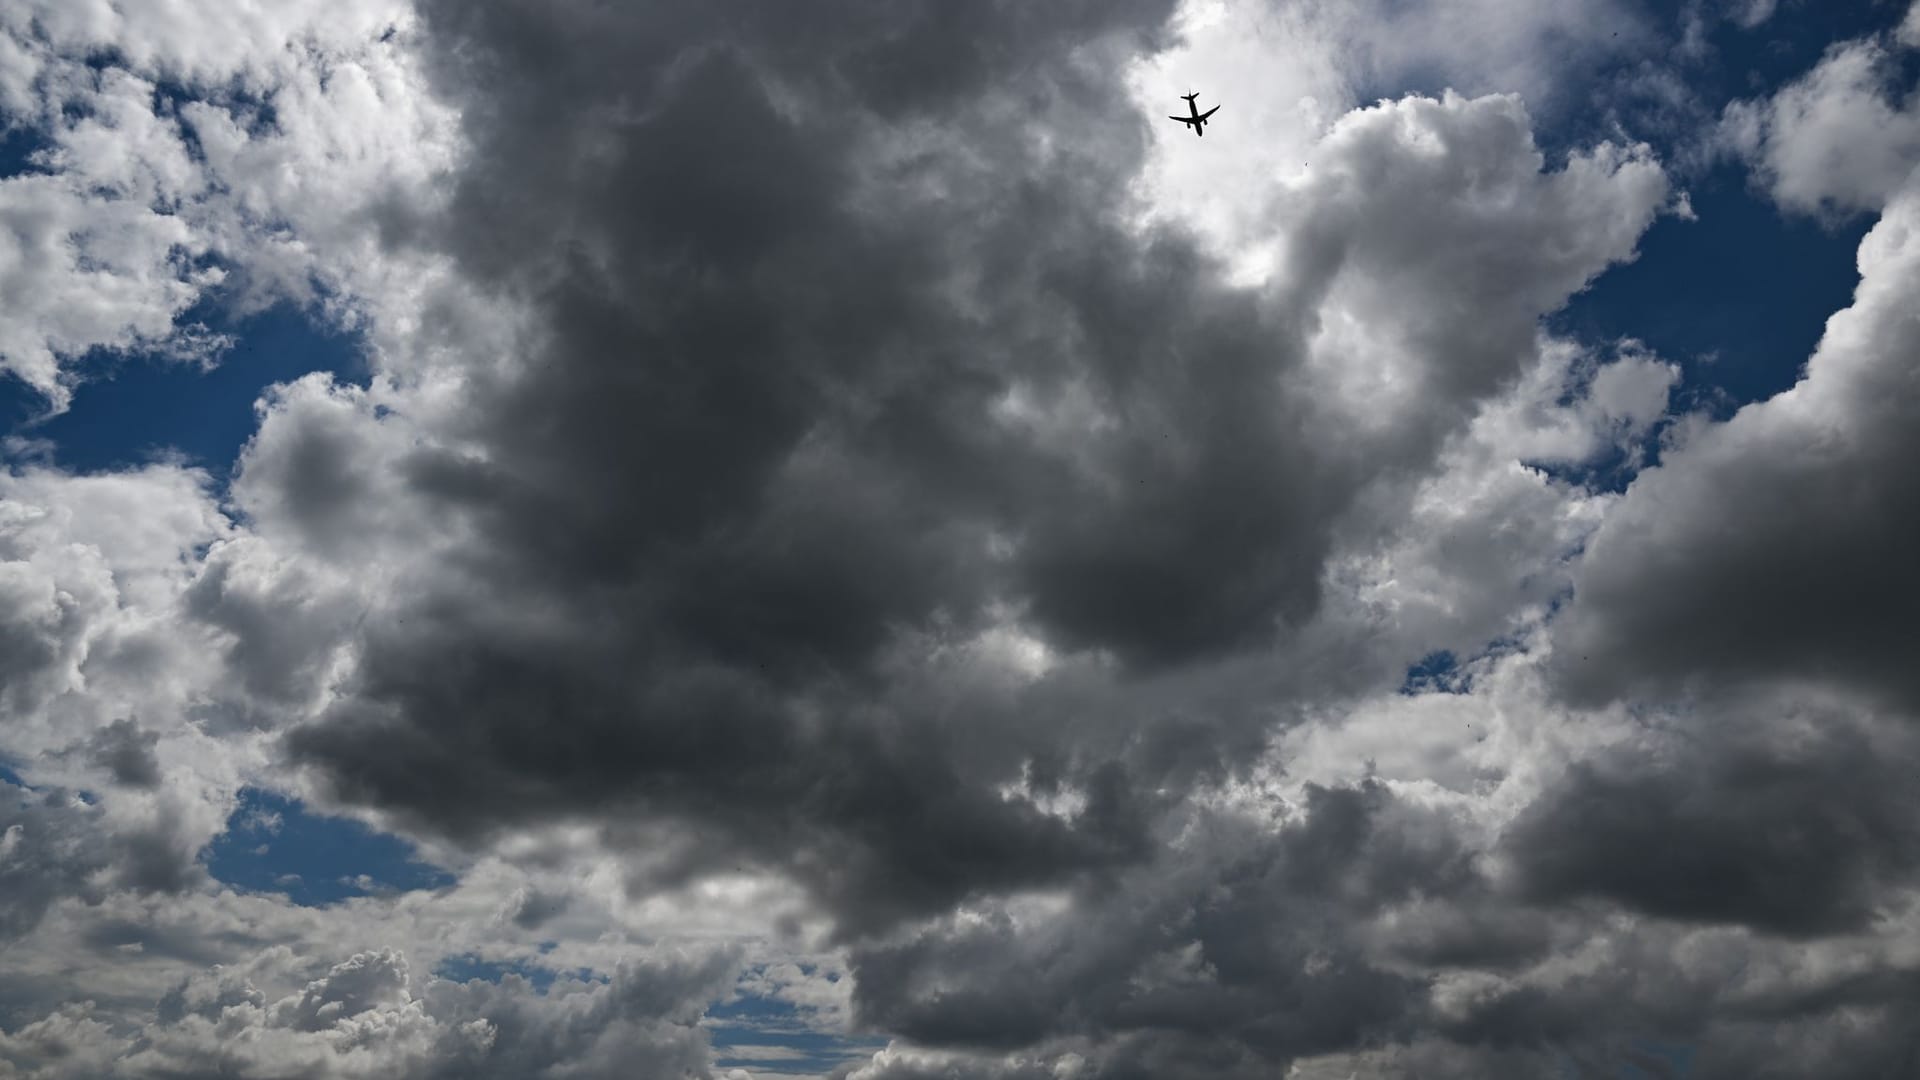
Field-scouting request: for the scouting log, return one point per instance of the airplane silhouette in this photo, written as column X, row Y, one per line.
column 1198, row 121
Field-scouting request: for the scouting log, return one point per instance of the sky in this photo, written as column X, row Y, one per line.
column 545, row 538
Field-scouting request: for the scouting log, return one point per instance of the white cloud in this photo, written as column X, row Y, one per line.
column 1751, row 13
column 1834, row 141
column 82, row 272
column 95, row 564
column 202, row 41
column 1480, row 548
column 1283, row 74
column 135, row 210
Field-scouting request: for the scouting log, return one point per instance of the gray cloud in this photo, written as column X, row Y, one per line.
column 793, row 467
column 1245, row 953
column 50, row 853
column 125, row 750
column 1766, row 547
column 819, row 384
column 368, row 1016
column 1801, row 825
column 910, row 377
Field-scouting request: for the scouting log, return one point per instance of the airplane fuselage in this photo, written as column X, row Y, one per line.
column 1195, row 119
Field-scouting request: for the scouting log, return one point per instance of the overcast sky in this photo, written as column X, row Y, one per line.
column 752, row 539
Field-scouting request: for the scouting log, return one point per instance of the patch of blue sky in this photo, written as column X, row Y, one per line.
column 272, row 844
column 1446, row 672
column 1614, row 468
column 27, row 792
column 1629, row 91
column 18, row 144
column 1743, row 62
column 468, row 967
column 771, row 1037
column 1739, row 296
column 1435, row 673
column 136, row 408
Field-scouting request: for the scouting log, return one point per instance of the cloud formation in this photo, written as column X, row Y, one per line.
column 836, row 516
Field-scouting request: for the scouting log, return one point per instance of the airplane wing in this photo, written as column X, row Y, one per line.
column 1209, row 112
column 1185, row 119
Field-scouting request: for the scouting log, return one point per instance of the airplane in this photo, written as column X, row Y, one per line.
column 1198, row 121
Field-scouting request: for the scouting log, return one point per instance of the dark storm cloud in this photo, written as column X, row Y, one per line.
column 1777, row 545
column 772, row 379
column 1806, row 833
column 875, row 813
column 839, row 345
column 753, row 446
column 1244, row 956
column 767, row 431
column 51, row 848
column 1876, row 1040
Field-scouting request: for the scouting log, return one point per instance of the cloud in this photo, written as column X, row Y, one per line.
column 45, row 852
column 362, row 1017
column 92, row 566
column 1804, row 494
column 1539, row 50
column 1791, row 823
column 1124, row 454
column 163, row 180
column 102, row 681
column 881, row 395
column 86, row 272
column 370, row 1015
column 834, row 515
column 1200, row 956
column 1836, row 141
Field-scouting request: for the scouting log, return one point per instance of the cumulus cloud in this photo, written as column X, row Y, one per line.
column 94, row 567
column 363, row 1017
column 1806, row 494
column 222, row 153
column 854, row 490
column 833, row 503
column 1843, row 138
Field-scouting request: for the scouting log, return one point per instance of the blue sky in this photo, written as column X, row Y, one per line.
column 273, row 844
column 748, row 1024
column 1736, row 294
column 134, row 409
